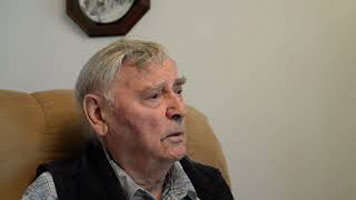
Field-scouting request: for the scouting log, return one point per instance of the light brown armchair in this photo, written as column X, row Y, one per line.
column 42, row 126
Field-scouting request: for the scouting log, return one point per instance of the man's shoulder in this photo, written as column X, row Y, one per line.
column 66, row 166
column 207, row 180
column 194, row 166
column 42, row 188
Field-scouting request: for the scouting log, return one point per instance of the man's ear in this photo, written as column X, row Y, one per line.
column 94, row 111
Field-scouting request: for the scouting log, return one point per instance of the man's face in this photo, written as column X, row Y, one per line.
column 147, row 117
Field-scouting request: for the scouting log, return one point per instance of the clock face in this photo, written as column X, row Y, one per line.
column 105, row 11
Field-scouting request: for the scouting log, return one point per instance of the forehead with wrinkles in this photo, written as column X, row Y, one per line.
column 153, row 75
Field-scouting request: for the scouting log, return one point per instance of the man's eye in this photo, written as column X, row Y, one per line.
column 179, row 90
column 154, row 96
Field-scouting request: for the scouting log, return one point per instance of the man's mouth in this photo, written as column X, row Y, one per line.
column 174, row 136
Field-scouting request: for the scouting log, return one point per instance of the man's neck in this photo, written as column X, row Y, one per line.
column 149, row 174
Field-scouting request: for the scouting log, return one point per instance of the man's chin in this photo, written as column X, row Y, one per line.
column 180, row 154
column 177, row 154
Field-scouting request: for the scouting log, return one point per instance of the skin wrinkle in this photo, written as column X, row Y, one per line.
column 158, row 89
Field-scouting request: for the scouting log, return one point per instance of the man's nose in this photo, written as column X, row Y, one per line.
column 176, row 108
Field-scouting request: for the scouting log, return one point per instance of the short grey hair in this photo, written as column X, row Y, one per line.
column 99, row 72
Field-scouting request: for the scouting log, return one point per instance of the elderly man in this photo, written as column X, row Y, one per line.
column 131, row 95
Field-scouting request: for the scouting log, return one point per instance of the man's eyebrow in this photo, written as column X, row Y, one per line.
column 180, row 81
column 154, row 88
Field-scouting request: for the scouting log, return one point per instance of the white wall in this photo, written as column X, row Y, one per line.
column 276, row 78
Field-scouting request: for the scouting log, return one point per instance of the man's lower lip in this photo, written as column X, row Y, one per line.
column 177, row 136
column 175, row 139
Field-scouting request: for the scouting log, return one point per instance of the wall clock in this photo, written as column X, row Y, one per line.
column 106, row 17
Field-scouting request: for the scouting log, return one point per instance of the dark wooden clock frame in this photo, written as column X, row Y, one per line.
column 119, row 27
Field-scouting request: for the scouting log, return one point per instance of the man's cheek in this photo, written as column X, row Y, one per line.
column 149, row 122
column 154, row 123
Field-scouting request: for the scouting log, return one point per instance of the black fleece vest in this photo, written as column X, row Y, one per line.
column 91, row 177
